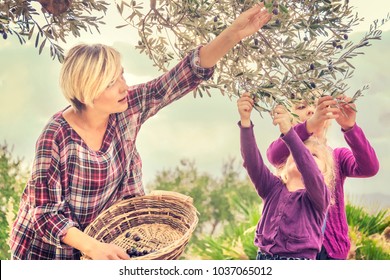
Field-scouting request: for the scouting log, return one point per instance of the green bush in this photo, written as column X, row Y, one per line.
column 366, row 234
column 229, row 210
column 367, row 223
column 12, row 180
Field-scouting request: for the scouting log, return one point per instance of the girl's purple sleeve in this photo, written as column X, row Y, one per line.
column 258, row 172
column 361, row 161
column 278, row 152
column 313, row 179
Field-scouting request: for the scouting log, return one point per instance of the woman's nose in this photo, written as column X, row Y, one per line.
column 124, row 85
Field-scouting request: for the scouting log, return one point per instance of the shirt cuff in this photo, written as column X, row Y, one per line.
column 200, row 72
column 240, row 126
column 291, row 135
column 351, row 129
column 302, row 130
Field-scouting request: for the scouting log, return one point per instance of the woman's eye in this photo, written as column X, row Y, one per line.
column 314, row 155
column 120, row 78
column 111, row 84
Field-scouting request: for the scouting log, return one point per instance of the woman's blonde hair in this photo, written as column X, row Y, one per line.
column 325, row 154
column 87, row 71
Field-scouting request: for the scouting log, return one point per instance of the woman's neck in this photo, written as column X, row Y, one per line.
column 91, row 127
column 89, row 119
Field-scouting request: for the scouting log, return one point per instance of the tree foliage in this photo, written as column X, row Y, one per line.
column 50, row 22
column 302, row 52
column 304, row 47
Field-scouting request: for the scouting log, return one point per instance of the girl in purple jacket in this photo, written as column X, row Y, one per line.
column 359, row 161
column 296, row 202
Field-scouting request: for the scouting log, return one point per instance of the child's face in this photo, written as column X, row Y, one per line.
column 319, row 158
column 303, row 110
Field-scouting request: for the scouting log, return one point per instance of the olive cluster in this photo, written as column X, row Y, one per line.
column 133, row 251
column 136, row 238
column 337, row 44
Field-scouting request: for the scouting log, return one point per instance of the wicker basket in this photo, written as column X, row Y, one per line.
column 159, row 225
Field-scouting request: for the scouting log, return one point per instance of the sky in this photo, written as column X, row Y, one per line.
column 203, row 130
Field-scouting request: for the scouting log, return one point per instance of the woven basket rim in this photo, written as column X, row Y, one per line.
column 186, row 220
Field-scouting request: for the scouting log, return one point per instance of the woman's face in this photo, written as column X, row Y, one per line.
column 114, row 98
column 303, row 110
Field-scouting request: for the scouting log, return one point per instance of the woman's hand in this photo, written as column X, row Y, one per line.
column 93, row 248
column 244, row 25
column 283, row 118
column 250, row 21
column 106, row 251
column 245, row 106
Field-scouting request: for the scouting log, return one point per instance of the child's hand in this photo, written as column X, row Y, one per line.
column 325, row 110
column 245, row 106
column 347, row 115
column 283, row 118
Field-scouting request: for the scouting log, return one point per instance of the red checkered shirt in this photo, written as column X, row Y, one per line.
column 71, row 184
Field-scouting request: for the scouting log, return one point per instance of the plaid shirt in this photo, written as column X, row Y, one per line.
column 71, row 184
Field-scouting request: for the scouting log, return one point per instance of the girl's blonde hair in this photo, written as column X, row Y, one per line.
column 325, row 154
column 87, row 71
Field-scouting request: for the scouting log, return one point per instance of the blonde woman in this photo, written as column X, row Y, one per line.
column 86, row 158
column 296, row 202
